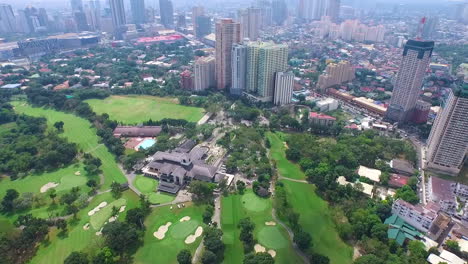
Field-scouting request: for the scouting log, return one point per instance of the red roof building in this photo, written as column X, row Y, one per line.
column 320, row 119
column 398, row 180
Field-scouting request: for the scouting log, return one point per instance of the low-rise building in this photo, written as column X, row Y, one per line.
column 328, row 104
column 319, row 119
column 416, row 215
column 371, row 174
column 137, row 131
column 441, row 191
column 402, row 167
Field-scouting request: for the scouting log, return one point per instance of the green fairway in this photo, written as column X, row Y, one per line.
column 233, row 210
column 254, row 203
column 69, row 181
column 79, row 131
column 79, row 239
column 166, row 250
column 286, row 168
column 137, row 109
column 148, row 187
column 98, row 219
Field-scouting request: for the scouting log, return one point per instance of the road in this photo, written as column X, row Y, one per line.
column 421, row 152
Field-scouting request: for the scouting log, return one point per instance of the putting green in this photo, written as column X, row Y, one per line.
column 181, row 230
column 272, row 238
column 98, row 219
column 69, row 181
column 145, row 184
column 254, row 203
column 159, row 198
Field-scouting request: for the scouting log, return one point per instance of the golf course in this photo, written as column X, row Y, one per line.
column 148, row 187
column 271, row 237
column 315, row 216
column 137, row 109
column 165, row 250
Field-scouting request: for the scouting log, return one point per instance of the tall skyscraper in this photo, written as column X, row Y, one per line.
column 196, row 12
column 239, row 69
column 333, row 9
column 80, row 20
column 117, row 13
column 312, row 9
column 284, row 84
column 138, row 11
column 429, row 28
column 279, row 11
column 166, row 11
column 7, row 19
column 227, row 34
column 204, row 73
column 93, row 14
column 181, row 21
column 448, row 140
column 264, row 60
column 202, row 26
column 76, row 5
column 416, row 58
column 250, row 20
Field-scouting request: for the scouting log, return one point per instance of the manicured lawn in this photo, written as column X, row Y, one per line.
column 98, row 219
column 286, row 168
column 79, row 239
column 148, row 187
column 314, row 213
column 137, row 109
column 237, row 207
column 79, row 131
column 166, row 250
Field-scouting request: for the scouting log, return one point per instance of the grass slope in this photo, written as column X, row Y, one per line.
column 148, row 187
column 237, row 207
column 314, row 212
column 78, row 130
column 136, row 109
column 166, row 250
column 286, row 168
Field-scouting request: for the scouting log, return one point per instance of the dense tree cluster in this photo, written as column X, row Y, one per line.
column 29, row 146
column 247, row 154
column 214, row 246
column 246, row 235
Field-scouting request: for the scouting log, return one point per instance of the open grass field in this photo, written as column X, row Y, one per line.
column 148, row 187
column 237, row 207
column 286, row 168
column 166, row 250
column 79, row 239
column 78, row 130
column 137, row 109
column 315, row 215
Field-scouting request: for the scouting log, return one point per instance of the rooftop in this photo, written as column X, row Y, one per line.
column 441, row 189
column 321, row 116
column 371, row 174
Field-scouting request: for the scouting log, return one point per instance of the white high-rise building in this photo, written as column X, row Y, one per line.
column 118, row 13
column 239, row 69
column 284, row 84
column 251, row 21
column 312, row 9
column 204, row 73
column 448, row 141
column 416, row 58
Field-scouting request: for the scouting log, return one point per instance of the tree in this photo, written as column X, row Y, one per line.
column 259, row 258
column 116, row 190
column 120, row 237
column 209, row 257
column 52, row 194
column 77, row 258
column 184, row 257
column 303, row 240
column 72, row 209
column 8, row 200
column 407, row 194
column 316, row 258
column 104, row 256
column 202, row 191
column 59, row 125
column 453, row 246
column 240, row 187
column 61, row 224
column 208, row 214
column 368, row 259
column 136, row 217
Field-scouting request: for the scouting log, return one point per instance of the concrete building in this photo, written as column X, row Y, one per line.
column 138, row 11
column 448, row 140
column 118, row 17
column 202, row 26
column 311, row 9
column 415, row 215
column 239, row 69
column 76, row 5
column 228, row 33
column 440, row 191
column 333, row 10
column 250, row 20
column 166, row 11
column 416, row 58
column 328, row 104
column 264, row 60
column 7, row 19
column 279, row 11
column 186, row 80
column 196, row 12
column 421, row 112
column 318, row 119
column 93, row 15
column 429, row 28
column 284, row 84
column 204, row 73
column 336, row 73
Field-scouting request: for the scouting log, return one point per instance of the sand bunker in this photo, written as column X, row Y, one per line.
column 112, row 219
column 271, row 223
column 185, row 219
column 258, row 248
column 48, row 186
column 272, row 253
column 86, row 227
column 97, row 208
column 98, row 233
column 78, row 173
column 161, row 233
column 122, row 208
column 191, row 238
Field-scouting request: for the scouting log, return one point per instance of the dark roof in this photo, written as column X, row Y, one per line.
column 137, row 131
column 442, row 189
column 168, row 187
column 186, row 146
column 402, row 166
